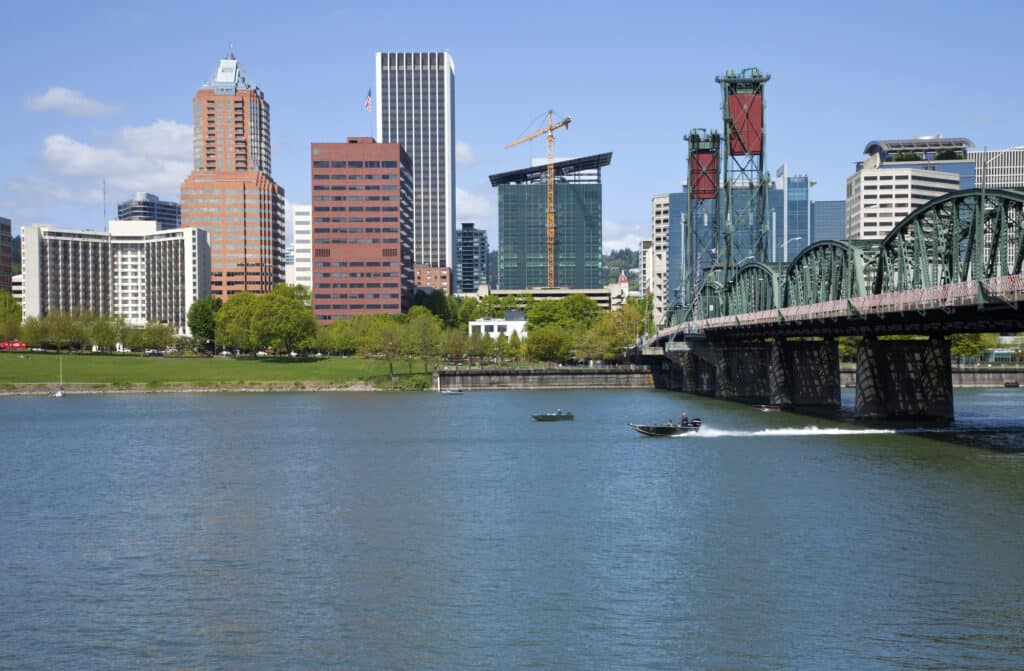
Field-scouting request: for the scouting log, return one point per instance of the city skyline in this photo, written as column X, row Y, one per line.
column 83, row 110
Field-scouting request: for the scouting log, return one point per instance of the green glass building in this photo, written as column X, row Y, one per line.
column 522, row 225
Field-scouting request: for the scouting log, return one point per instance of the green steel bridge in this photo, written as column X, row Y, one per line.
column 950, row 266
column 767, row 334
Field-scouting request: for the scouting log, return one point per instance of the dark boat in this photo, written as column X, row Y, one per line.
column 692, row 426
column 765, row 407
column 452, row 392
column 557, row 416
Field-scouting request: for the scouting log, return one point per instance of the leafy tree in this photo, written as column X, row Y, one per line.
column 971, row 345
column 10, row 316
column 33, row 332
column 104, row 331
column 233, row 322
column 455, row 344
column 281, row 319
column 338, row 337
column 468, row 309
column 384, row 338
column 202, row 323
column 515, row 346
column 63, row 330
column 156, row 336
column 423, row 335
column 549, row 343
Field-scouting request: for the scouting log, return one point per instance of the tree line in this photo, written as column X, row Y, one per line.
column 574, row 328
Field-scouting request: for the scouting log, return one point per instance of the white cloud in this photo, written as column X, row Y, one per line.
column 36, row 190
column 471, row 206
column 616, row 235
column 464, row 154
column 154, row 158
column 68, row 102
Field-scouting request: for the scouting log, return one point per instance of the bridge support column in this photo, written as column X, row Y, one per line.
column 904, row 379
column 741, row 372
column 804, row 374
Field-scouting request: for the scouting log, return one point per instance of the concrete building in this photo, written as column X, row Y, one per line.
column 230, row 192
column 877, row 199
column 430, row 278
column 470, row 258
column 5, row 254
column 828, row 220
column 999, row 168
column 925, row 152
column 416, row 109
column 134, row 271
column 522, row 225
column 646, row 256
column 608, row 297
column 514, row 321
column 659, row 256
column 362, row 228
column 301, row 223
column 149, row 207
column 17, row 288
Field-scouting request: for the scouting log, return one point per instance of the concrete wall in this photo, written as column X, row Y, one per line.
column 618, row 377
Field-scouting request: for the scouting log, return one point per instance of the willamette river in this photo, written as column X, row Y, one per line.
column 423, row 531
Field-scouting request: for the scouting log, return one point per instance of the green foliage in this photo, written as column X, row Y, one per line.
column 574, row 313
column 10, row 316
column 548, row 343
column 233, row 323
column 971, row 345
column 63, row 330
column 282, row 320
column 619, row 261
column 201, row 321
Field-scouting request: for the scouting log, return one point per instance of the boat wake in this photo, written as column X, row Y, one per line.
column 708, row 432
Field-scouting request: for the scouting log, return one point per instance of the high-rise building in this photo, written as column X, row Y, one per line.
column 302, row 245
column 230, row 192
column 659, row 256
column 646, row 267
column 789, row 215
column 416, row 109
column 878, row 198
column 134, row 271
column 432, row 278
column 522, row 225
column 828, row 220
column 5, row 254
column 149, row 207
column 999, row 168
column 470, row 258
column 927, row 152
column 362, row 228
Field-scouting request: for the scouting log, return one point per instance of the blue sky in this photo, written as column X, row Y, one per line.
column 94, row 90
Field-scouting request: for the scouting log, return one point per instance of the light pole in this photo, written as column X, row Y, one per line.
column 785, row 247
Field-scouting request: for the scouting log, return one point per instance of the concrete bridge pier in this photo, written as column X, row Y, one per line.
column 804, row 374
column 904, row 379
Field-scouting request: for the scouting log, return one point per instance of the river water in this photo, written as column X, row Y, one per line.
column 427, row 531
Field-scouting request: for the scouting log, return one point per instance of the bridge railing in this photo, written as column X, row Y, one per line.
column 1008, row 289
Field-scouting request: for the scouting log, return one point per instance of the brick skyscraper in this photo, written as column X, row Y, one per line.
column 230, row 192
column 362, row 228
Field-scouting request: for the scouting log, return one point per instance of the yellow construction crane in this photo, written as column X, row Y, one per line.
column 550, row 130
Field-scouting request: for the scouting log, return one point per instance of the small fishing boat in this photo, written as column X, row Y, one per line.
column 452, row 392
column 765, row 407
column 556, row 416
column 670, row 429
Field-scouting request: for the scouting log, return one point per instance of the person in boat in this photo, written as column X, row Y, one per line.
column 683, row 419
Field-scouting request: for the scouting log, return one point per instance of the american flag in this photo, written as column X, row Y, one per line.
column 368, row 103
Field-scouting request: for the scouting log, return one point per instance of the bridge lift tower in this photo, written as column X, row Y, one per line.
column 701, row 234
column 745, row 185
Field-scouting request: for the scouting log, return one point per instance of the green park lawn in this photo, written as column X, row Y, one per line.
column 131, row 369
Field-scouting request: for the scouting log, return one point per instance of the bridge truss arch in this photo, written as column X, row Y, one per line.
column 953, row 238
column 829, row 270
column 754, row 288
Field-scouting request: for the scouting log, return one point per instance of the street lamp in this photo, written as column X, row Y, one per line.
column 784, row 246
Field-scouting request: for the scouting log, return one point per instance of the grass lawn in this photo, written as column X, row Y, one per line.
column 126, row 369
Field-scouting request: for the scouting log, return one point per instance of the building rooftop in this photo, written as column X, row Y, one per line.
column 562, row 169
column 229, row 78
column 917, row 144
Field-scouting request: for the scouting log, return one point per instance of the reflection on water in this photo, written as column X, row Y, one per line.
column 421, row 531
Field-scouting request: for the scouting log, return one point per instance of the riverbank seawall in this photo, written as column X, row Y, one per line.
column 963, row 376
column 604, row 377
